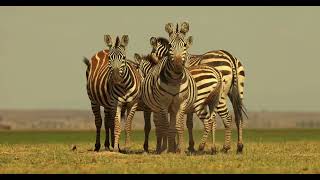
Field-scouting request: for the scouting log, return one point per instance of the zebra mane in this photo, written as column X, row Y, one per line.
column 149, row 58
column 163, row 41
column 177, row 28
column 117, row 44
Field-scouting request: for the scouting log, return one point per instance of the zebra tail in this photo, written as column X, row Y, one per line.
column 238, row 107
column 234, row 96
column 86, row 61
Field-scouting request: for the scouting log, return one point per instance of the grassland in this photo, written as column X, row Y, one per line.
column 265, row 151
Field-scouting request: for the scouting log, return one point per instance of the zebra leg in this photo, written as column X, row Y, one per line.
column 147, row 128
column 164, row 129
column 241, row 79
column 205, row 118
column 107, row 127
column 111, row 126
column 180, row 129
column 190, row 127
column 165, row 140
column 98, row 122
column 117, row 128
column 172, row 133
column 128, row 125
column 227, row 139
column 223, row 112
column 213, row 129
column 156, row 119
column 240, row 142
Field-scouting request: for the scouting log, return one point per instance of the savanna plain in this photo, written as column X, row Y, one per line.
column 265, row 151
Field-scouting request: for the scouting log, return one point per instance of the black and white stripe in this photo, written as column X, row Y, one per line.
column 233, row 85
column 113, row 83
column 169, row 88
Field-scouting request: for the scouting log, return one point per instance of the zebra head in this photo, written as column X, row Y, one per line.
column 160, row 48
column 145, row 63
column 117, row 56
column 178, row 43
column 140, row 60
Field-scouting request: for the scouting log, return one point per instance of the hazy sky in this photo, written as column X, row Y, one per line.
column 41, row 50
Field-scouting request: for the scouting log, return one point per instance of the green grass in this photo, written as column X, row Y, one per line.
column 66, row 137
column 265, row 151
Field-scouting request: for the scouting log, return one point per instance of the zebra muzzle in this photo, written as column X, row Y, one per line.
column 116, row 75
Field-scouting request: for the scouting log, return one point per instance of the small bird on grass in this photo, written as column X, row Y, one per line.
column 74, row 147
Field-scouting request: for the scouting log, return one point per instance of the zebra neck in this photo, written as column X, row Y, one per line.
column 170, row 75
column 125, row 76
column 188, row 56
column 162, row 52
column 146, row 67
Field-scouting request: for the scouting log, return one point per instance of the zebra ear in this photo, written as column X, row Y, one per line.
column 189, row 41
column 153, row 41
column 184, row 27
column 124, row 40
column 169, row 28
column 137, row 58
column 108, row 40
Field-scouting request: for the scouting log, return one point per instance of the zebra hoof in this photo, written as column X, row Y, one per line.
column 145, row 153
column 97, row 147
column 191, row 149
column 179, row 151
column 125, row 150
column 158, row 151
column 172, row 150
column 107, row 149
column 213, row 150
column 225, row 149
column 146, row 148
column 239, row 148
column 163, row 149
column 189, row 153
column 201, row 147
column 117, row 150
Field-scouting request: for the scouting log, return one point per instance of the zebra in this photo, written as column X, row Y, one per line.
column 102, row 57
column 115, row 84
column 233, row 79
column 233, row 82
column 169, row 88
column 208, row 82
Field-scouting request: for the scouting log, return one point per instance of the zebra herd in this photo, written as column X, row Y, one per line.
column 169, row 82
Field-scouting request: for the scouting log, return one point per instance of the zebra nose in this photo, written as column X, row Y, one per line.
column 116, row 70
column 178, row 57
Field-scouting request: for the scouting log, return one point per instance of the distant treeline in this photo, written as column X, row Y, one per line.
column 83, row 120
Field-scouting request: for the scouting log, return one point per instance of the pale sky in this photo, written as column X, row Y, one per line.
column 41, row 50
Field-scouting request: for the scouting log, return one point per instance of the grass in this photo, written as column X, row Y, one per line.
column 265, row 151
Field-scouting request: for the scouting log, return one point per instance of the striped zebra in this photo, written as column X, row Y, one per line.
column 208, row 82
column 233, row 83
column 169, row 88
column 233, row 77
column 113, row 83
column 101, row 57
